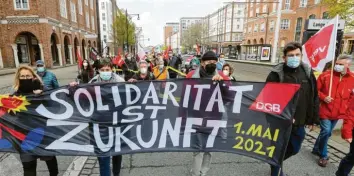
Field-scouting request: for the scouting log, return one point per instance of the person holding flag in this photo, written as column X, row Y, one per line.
column 334, row 102
column 293, row 71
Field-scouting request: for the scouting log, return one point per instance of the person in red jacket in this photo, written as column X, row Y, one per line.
column 347, row 163
column 334, row 104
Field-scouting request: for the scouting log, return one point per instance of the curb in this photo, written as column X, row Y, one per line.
column 14, row 69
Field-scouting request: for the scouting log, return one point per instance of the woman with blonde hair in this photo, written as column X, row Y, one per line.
column 27, row 82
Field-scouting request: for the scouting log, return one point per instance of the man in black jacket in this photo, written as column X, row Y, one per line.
column 174, row 62
column 129, row 66
column 295, row 72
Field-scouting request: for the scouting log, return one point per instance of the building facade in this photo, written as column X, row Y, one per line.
column 261, row 22
column 107, row 11
column 223, row 30
column 169, row 30
column 175, row 40
column 33, row 30
column 186, row 22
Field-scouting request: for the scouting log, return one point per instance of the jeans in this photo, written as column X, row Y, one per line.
column 347, row 163
column 30, row 168
column 322, row 139
column 201, row 163
column 296, row 138
column 105, row 169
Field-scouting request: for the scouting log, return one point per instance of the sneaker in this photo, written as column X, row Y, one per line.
column 323, row 162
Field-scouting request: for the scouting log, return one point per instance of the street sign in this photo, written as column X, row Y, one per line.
column 317, row 24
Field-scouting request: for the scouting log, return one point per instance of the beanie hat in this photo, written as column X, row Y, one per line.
column 39, row 62
column 210, row 55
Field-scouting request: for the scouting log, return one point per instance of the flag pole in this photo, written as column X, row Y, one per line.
column 334, row 55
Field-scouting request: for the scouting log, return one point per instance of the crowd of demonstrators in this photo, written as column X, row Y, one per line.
column 334, row 104
column 50, row 81
column 86, row 73
column 293, row 71
column 27, row 82
column 227, row 70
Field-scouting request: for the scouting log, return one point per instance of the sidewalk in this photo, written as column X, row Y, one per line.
column 8, row 71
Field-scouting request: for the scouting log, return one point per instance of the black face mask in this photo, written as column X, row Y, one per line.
column 28, row 85
column 210, row 68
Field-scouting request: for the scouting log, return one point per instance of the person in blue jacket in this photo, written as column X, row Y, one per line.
column 221, row 62
column 49, row 79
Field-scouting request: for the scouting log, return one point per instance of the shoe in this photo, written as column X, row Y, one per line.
column 323, row 162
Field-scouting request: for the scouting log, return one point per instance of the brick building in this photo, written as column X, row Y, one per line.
column 261, row 22
column 49, row 30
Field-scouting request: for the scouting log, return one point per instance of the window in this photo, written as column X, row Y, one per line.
column 103, row 16
column 257, row 11
column 21, row 5
column 325, row 15
column 239, row 12
column 86, row 2
column 87, row 20
column 274, row 9
column 262, row 27
column 271, row 26
column 287, row 4
column 251, row 3
column 284, row 24
column 91, row 4
column 104, row 27
column 303, row 3
column 238, row 26
column 249, row 29
column 313, row 16
column 265, row 7
column 255, row 28
column 63, row 11
column 93, row 23
column 105, row 38
column 298, row 29
column 80, row 7
column 317, row 1
column 103, row 5
column 251, row 13
column 73, row 12
column 257, row 1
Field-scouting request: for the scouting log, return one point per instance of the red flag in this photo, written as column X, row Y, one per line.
column 79, row 59
column 320, row 48
column 118, row 60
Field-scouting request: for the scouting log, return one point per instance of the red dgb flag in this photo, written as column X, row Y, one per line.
column 320, row 48
column 118, row 60
column 79, row 59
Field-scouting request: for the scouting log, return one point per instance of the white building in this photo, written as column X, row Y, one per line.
column 106, row 12
column 186, row 22
column 223, row 30
column 176, row 42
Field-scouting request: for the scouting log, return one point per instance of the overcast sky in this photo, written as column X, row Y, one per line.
column 155, row 13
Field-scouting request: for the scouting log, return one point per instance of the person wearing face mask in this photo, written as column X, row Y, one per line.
column 160, row 71
column 334, row 104
column 228, row 70
column 143, row 74
column 106, row 75
column 130, row 64
column 206, row 70
column 49, row 79
column 86, row 73
column 27, row 83
column 221, row 62
column 193, row 65
column 293, row 71
column 174, row 62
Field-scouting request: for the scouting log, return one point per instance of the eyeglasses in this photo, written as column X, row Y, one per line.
column 26, row 76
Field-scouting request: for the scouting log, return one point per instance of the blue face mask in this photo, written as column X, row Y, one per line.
column 40, row 69
column 293, row 62
column 106, row 76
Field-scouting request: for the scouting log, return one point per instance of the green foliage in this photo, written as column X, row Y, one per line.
column 344, row 8
column 120, row 31
column 191, row 36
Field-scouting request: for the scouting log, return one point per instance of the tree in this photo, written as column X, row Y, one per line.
column 120, row 31
column 191, row 36
column 344, row 8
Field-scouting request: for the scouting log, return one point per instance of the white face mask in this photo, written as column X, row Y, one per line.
column 226, row 72
column 129, row 58
column 161, row 66
column 339, row 68
column 143, row 70
column 85, row 64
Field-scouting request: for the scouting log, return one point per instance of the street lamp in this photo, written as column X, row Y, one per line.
column 127, row 25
